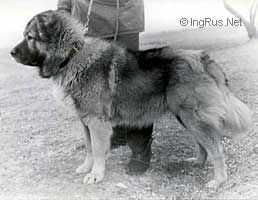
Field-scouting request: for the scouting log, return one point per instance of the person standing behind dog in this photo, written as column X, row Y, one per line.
column 120, row 21
column 103, row 16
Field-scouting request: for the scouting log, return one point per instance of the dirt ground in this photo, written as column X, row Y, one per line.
column 40, row 144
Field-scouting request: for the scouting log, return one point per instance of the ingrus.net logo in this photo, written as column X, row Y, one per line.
column 210, row 22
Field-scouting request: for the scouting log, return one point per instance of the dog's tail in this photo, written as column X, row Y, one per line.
column 237, row 115
column 226, row 109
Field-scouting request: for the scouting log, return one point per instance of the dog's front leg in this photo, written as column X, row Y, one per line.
column 100, row 133
column 88, row 162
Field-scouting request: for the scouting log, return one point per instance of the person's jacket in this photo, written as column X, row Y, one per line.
column 103, row 15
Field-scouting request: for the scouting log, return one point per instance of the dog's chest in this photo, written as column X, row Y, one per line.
column 63, row 100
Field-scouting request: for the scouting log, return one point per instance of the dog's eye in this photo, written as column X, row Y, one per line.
column 29, row 37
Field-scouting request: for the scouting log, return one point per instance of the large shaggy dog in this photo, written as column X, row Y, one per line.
column 108, row 85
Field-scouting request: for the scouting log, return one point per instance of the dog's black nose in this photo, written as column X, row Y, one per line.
column 14, row 52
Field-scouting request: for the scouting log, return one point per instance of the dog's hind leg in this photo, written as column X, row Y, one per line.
column 100, row 134
column 209, row 139
column 202, row 153
column 88, row 162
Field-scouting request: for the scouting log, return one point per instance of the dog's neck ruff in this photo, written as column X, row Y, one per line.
column 72, row 53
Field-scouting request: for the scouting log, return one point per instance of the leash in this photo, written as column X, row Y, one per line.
column 88, row 16
column 117, row 18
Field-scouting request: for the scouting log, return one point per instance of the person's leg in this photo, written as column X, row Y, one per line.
column 138, row 139
column 119, row 137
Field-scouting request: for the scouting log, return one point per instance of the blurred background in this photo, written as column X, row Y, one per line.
column 161, row 15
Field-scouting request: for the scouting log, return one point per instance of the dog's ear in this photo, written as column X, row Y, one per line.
column 48, row 25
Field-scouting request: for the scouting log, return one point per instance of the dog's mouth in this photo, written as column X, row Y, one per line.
column 37, row 62
column 25, row 62
column 33, row 60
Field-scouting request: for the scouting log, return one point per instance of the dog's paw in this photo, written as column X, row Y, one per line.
column 93, row 177
column 86, row 166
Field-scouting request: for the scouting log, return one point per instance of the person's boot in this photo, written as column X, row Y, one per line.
column 139, row 140
column 119, row 137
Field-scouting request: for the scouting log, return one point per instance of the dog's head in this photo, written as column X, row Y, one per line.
column 46, row 44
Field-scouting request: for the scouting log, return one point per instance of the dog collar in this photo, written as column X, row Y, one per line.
column 76, row 48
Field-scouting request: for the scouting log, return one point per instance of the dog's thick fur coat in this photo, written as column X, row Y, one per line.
column 108, row 85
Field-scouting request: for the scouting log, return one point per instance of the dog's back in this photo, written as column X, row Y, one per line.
column 165, row 79
column 148, row 77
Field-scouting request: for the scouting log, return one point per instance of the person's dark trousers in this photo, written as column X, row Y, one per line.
column 139, row 139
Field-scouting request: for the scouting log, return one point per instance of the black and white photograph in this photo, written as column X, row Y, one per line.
column 129, row 99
